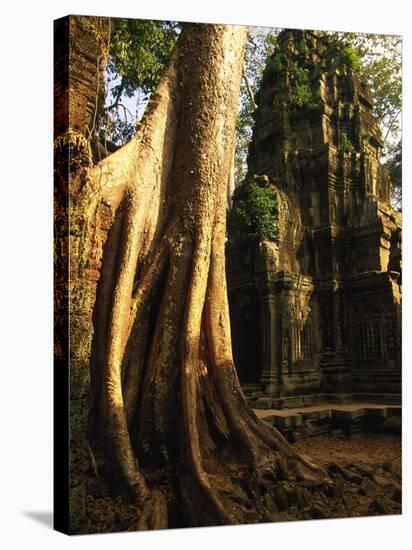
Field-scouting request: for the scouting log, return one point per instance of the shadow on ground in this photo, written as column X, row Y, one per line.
column 44, row 518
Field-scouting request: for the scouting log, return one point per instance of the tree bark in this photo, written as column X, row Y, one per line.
column 169, row 424
column 81, row 54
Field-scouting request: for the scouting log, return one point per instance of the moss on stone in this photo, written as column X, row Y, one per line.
column 256, row 215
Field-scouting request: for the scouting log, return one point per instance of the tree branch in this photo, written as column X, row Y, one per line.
column 390, row 125
column 249, row 89
column 117, row 98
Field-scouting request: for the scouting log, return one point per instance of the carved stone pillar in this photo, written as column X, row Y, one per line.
column 269, row 377
column 335, row 364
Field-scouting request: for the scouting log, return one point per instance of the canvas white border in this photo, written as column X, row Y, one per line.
column 26, row 282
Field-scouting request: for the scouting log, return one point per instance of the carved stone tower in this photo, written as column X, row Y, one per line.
column 317, row 313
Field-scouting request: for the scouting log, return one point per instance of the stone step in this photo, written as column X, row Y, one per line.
column 350, row 418
column 259, row 400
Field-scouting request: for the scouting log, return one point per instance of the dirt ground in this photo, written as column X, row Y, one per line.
column 366, row 467
column 365, row 479
column 364, row 447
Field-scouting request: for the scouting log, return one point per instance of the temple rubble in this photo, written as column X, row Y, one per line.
column 316, row 314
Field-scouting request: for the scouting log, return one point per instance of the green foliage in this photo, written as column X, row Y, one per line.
column 303, row 47
column 139, row 51
column 384, row 78
column 274, row 63
column 346, row 143
column 394, row 167
column 351, row 57
column 302, row 95
column 256, row 215
column 345, row 54
column 299, row 74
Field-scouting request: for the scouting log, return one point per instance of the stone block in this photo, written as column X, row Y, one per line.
column 308, row 400
column 383, row 413
column 356, row 414
column 325, row 415
column 312, row 416
column 263, row 403
column 282, row 422
column 297, row 420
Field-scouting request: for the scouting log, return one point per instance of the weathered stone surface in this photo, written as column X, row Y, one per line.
column 318, row 311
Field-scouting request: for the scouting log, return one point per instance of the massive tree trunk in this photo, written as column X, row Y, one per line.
column 169, row 425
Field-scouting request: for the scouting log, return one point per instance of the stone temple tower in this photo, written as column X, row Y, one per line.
column 316, row 312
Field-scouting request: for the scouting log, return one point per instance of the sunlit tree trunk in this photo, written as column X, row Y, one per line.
column 169, row 424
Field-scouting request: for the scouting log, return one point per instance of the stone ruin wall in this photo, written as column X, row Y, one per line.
column 318, row 311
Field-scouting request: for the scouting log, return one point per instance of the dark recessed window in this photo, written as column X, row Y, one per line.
column 368, row 340
column 302, row 341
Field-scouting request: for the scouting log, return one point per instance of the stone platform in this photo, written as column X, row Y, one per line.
column 349, row 418
column 260, row 400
